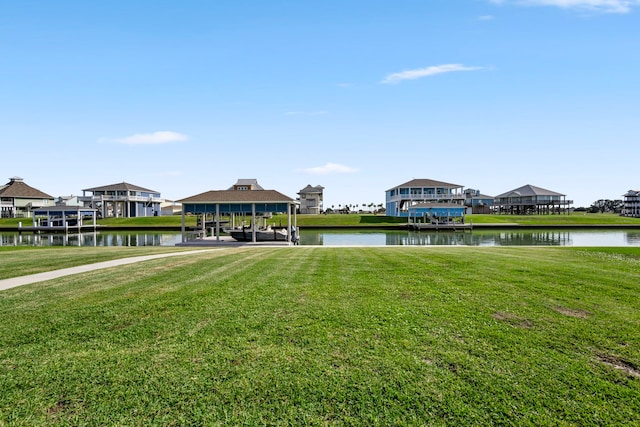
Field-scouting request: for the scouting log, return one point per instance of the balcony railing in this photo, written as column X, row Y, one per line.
column 120, row 199
column 426, row 197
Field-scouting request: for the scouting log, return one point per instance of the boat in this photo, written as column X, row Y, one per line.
column 267, row 234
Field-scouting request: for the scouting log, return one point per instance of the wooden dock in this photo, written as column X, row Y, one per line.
column 57, row 228
column 419, row 226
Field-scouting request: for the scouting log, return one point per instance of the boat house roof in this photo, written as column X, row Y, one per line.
column 237, row 201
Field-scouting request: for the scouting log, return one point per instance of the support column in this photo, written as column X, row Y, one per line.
column 182, row 228
column 289, row 233
column 253, row 222
column 218, row 222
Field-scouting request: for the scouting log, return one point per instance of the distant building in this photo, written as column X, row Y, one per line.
column 632, row 204
column 122, row 200
column 69, row 201
column 311, row 199
column 479, row 203
column 170, row 207
column 18, row 200
column 417, row 191
column 529, row 200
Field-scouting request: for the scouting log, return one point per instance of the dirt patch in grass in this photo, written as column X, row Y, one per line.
column 580, row 314
column 621, row 365
column 513, row 319
column 60, row 406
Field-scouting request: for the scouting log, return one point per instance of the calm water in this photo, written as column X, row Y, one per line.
column 343, row 238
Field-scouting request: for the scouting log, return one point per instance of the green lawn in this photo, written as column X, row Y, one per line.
column 330, row 336
column 362, row 220
column 579, row 218
column 23, row 260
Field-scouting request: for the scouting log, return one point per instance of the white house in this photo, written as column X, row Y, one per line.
column 311, row 199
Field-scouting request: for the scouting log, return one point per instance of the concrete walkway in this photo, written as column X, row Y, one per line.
column 48, row 275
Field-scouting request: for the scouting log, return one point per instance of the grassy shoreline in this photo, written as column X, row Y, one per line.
column 371, row 221
column 329, row 336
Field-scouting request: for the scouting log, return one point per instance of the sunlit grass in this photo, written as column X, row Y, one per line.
column 330, row 336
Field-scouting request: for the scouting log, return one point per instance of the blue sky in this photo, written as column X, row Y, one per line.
column 355, row 95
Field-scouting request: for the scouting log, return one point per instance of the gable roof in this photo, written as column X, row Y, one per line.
column 427, row 183
column 232, row 196
column 310, row 189
column 529, row 190
column 120, row 186
column 249, row 182
column 16, row 188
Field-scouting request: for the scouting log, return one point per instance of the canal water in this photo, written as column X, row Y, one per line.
column 510, row 237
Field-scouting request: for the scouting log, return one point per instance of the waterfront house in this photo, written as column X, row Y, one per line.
column 311, row 199
column 19, row 200
column 632, row 204
column 122, row 200
column 401, row 197
column 477, row 202
column 529, row 200
column 245, row 199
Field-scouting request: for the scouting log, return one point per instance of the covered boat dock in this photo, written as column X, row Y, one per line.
column 236, row 204
column 62, row 219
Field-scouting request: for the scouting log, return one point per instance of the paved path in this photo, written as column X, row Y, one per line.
column 48, row 275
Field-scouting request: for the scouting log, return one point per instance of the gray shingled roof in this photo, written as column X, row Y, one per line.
column 232, row 196
column 17, row 188
column 427, row 183
column 309, row 189
column 119, row 187
column 250, row 182
column 529, row 190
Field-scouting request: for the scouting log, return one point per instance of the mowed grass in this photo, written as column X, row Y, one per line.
column 576, row 218
column 18, row 261
column 330, row 336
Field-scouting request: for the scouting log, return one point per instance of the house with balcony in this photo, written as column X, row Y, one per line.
column 420, row 191
column 531, row 200
column 19, row 200
column 478, row 202
column 122, row 200
column 632, row 204
column 311, row 199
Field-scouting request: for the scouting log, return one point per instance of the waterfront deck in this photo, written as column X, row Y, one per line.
column 417, row 226
column 57, row 228
column 228, row 242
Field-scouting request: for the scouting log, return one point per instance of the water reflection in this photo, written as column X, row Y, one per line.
column 513, row 237
column 91, row 239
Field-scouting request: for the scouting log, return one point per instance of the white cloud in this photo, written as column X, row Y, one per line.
column 604, row 6
column 329, row 168
column 426, row 72
column 486, row 18
column 160, row 137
